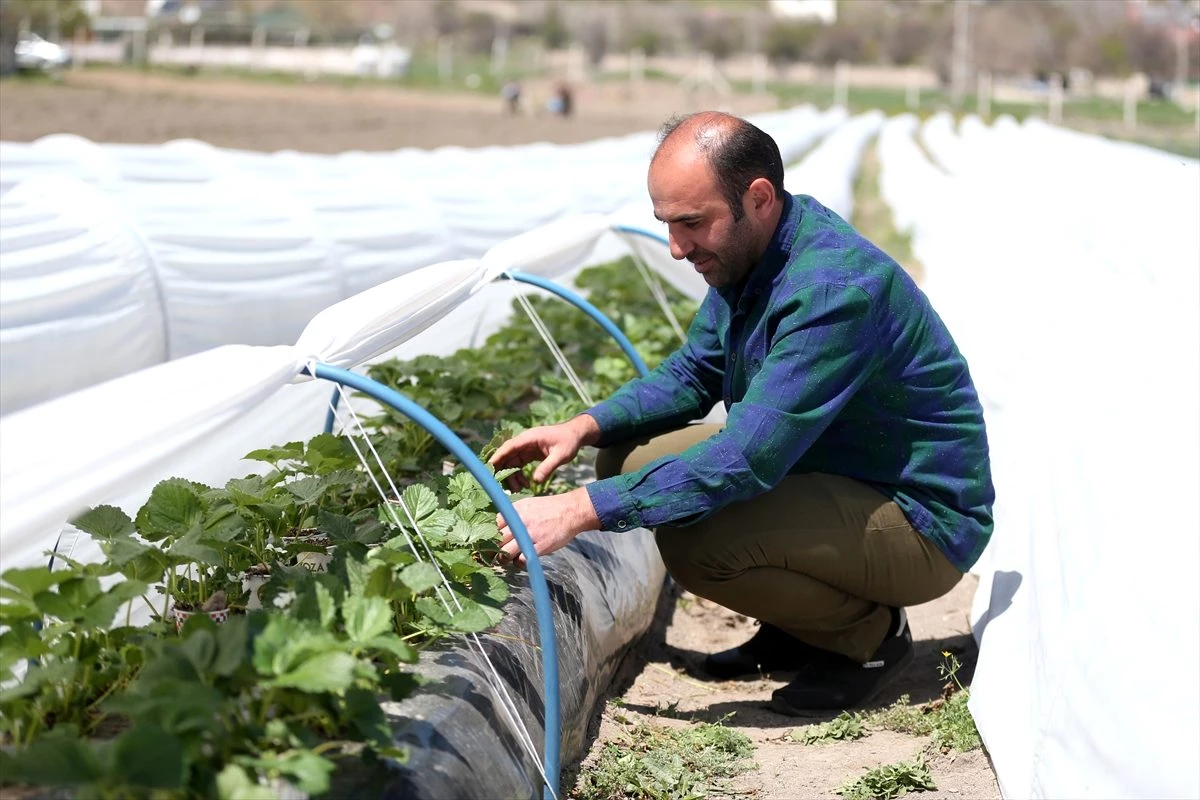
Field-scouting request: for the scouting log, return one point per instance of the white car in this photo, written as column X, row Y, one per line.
column 35, row 53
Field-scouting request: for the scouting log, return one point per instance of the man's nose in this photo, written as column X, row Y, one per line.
column 679, row 250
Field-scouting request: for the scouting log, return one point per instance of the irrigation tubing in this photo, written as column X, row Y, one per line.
column 537, row 578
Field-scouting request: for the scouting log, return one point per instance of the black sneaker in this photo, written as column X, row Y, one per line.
column 841, row 683
column 769, row 650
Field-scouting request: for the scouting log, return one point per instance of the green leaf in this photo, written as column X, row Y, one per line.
column 474, row 617
column 308, row 490
column 191, row 548
column 324, row 672
column 432, row 610
column 234, row 784
column 148, row 756
column 327, row 453
column 337, row 527
column 57, row 758
column 292, row 451
column 420, row 577
column 465, row 532
column 326, row 605
column 31, row 580
column 420, row 502
column 362, row 707
column 122, row 551
column 400, row 685
column 104, row 522
column 488, row 586
column 174, row 508
column 231, row 645
column 394, row 645
column 247, row 491
column 366, row 617
column 200, row 647
column 309, row 771
column 53, row 672
column 465, row 490
column 100, row 612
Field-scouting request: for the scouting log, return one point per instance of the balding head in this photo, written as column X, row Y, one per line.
column 717, row 183
column 736, row 151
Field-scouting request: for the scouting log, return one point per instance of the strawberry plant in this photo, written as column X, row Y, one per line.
column 290, row 685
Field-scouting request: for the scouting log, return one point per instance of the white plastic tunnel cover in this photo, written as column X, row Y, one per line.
column 81, row 301
column 59, row 457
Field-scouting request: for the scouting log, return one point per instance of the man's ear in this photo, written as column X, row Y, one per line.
column 760, row 197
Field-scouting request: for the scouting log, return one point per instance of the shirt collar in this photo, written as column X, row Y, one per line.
column 773, row 259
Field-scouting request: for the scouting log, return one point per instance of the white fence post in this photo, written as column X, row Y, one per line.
column 445, row 59
column 80, row 44
column 637, row 66
column 983, row 96
column 912, row 92
column 759, row 67
column 841, row 84
column 575, row 63
column 197, row 38
column 1056, row 97
column 499, row 53
column 1131, row 104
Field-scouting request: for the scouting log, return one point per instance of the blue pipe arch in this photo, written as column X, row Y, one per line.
column 537, row 577
column 559, row 291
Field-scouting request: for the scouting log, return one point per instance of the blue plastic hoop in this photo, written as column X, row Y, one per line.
column 537, row 578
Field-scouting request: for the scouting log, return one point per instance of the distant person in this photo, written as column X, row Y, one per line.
column 561, row 101
column 566, row 101
column 851, row 477
column 511, row 92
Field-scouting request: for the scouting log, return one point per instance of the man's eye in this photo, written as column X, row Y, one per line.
column 691, row 224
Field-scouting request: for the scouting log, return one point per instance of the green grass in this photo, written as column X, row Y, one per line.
column 651, row 761
column 948, row 721
column 890, row 780
column 843, row 727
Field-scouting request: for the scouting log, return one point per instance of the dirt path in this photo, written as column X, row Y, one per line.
column 671, row 691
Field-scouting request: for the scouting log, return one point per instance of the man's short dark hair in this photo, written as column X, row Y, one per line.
column 739, row 153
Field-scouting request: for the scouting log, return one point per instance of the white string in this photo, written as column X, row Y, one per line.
column 555, row 351
column 656, row 289
column 507, row 704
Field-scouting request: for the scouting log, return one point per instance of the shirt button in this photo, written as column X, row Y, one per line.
column 734, row 356
column 622, row 525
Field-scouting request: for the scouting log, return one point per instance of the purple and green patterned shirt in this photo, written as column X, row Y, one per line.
column 828, row 359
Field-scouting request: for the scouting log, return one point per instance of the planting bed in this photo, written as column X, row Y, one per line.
column 314, row 689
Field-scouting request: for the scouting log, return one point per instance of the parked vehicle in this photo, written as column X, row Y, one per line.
column 33, row 53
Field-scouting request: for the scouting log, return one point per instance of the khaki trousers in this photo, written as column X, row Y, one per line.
column 820, row 556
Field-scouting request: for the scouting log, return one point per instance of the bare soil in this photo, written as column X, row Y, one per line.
column 671, row 690
column 127, row 106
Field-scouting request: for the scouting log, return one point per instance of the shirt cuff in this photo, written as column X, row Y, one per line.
column 609, row 419
column 614, row 505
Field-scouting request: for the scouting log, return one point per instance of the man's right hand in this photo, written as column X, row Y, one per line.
column 552, row 445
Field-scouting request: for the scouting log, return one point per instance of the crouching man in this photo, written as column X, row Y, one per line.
column 851, row 477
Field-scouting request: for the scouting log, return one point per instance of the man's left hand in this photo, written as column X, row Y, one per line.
column 552, row 521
